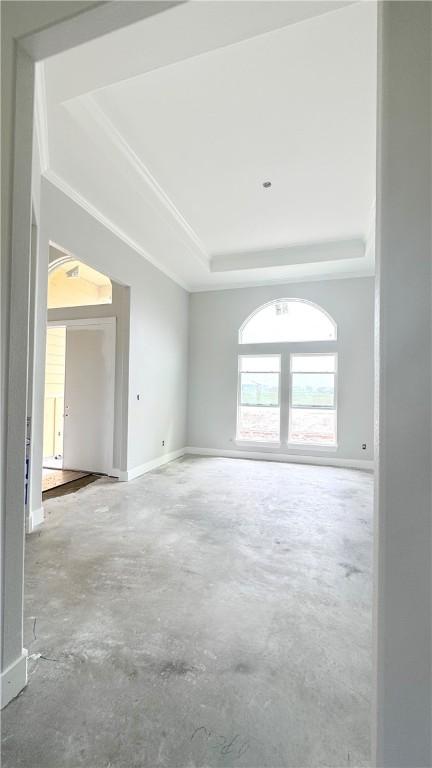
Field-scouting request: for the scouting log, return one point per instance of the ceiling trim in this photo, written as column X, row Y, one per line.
column 77, row 198
column 290, row 255
column 171, row 211
column 284, row 281
column 41, row 117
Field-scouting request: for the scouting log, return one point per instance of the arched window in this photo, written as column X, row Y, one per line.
column 286, row 320
column 74, row 284
column 287, row 394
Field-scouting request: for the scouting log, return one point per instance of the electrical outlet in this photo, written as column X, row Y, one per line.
column 163, row 442
column 364, row 446
column 138, row 396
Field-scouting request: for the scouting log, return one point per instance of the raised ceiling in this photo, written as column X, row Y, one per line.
column 167, row 130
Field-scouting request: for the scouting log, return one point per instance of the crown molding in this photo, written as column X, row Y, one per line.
column 285, row 280
column 41, row 117
column 161, row 201
column 290, row 255
column 77, row 198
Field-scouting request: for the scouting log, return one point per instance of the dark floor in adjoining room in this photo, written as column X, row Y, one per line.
column 215, row 612
column 53, row 478
column 70, row 483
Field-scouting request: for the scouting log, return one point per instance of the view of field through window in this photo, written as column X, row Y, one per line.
column 312, row 417
column 259, row 396
column 312, row 413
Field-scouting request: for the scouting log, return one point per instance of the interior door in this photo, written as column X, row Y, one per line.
column 89, row 397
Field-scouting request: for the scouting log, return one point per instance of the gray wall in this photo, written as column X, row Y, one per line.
column 158, row 369
column 215, row 318
column 158, row 325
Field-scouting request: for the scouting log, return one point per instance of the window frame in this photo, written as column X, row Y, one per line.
column 297, row 444
column 244, row 441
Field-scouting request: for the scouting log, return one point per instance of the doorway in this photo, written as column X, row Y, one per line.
column 55, row 362
column 79, row 400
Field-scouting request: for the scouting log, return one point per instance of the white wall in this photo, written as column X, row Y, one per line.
column 404, row 314
column 215, row 319
column 158, row 327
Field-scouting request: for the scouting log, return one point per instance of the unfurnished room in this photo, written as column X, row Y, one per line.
column 216, row 384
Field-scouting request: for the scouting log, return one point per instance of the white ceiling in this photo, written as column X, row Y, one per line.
column 168, row 128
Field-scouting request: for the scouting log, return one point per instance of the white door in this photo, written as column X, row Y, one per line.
column 89, row 397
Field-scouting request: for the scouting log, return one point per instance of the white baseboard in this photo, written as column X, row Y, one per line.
column 35, row 518
column 327, row 461
column 131, row 474
column 14, row 679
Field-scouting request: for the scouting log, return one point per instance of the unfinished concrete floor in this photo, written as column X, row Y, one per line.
column 215, row 612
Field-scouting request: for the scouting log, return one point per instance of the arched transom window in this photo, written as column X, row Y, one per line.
column 287, row 320
column 287, row 391
column 74, row 284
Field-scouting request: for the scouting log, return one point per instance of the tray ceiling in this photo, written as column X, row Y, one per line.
column 168, row 130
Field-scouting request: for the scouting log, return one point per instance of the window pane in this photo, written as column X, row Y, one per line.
column 319, row 363
column 259, row 389
column 260, row 424
column 261, row 363
column 288, row 320
column 312, row 426
column 312, row 390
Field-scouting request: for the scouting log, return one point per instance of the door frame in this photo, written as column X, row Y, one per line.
column 86, row 322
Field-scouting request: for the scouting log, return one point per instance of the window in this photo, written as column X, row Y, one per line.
column 259, row 398
column 312, row 413
column 287, row 391
column 287, row 320
column 73, row 284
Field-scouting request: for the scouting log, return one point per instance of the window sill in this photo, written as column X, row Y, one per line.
column 259, row 443
column 285, row 447
column 312, row 446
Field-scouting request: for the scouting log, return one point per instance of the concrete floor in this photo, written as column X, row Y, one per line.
column 215, row 612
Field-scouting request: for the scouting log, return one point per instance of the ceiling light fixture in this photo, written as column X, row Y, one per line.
column 266, row 184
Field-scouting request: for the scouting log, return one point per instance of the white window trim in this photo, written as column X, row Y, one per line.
column 284, row 352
